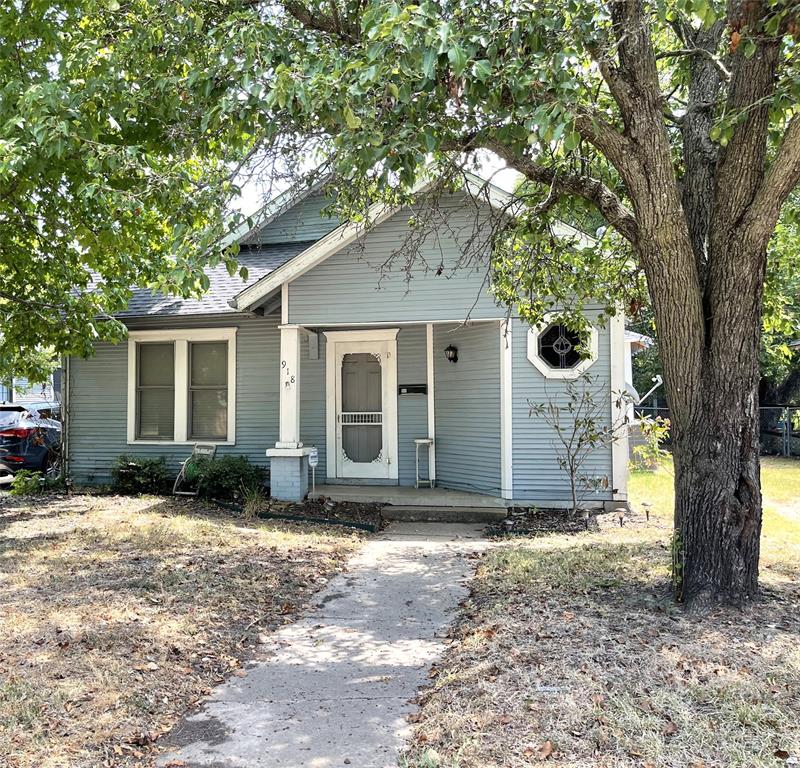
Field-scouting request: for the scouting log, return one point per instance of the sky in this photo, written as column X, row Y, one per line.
column 258, row 190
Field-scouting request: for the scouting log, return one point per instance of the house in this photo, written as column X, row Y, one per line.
column 334, row 350
column 20, row 390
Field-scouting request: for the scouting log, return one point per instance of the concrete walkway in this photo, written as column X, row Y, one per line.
column 336, row 686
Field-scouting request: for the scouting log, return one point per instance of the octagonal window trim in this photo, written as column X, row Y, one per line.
column 564, row 346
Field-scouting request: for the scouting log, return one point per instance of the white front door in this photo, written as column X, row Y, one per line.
column 362, row 404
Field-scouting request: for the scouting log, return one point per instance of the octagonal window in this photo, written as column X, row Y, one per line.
column 558, row 352
column 559, row 347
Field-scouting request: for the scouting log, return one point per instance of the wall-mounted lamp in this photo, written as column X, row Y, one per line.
column 451, row 353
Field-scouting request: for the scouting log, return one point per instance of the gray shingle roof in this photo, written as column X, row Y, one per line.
column 260, row 261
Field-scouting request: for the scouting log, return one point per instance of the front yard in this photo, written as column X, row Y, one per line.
column 570, row 653
column 119, row 613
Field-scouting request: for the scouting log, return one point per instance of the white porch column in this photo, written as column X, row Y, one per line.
column 506, row 412
column 289, row 433
column 431, row 402
column 288, row 460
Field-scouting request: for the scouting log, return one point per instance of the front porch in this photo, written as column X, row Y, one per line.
column 378, row 410
column 400, row 495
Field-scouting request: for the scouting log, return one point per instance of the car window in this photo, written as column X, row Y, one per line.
column 7, row 418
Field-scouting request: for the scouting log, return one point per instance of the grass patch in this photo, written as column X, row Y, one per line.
column 120, row 613
column 570, row 652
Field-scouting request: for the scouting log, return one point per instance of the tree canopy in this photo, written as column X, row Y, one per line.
column 112, row 175
column 676, row 123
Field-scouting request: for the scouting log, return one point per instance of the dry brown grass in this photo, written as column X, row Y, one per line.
column 117, row 614
column 570, row 653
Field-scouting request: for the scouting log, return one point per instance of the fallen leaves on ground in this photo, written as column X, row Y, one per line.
column 571, row 653
column 121, row 613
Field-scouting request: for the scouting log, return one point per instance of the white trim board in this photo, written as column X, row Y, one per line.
column 404, row 323
column 429, row 365
column 619, row 448
column 506, row 411
column 181, row 339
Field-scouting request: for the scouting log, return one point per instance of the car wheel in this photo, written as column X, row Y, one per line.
column 51, row 467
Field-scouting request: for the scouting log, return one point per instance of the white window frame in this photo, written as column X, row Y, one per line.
column 182, row 339
column 560, row 373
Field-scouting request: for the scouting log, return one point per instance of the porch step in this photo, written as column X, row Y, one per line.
column 426, row 514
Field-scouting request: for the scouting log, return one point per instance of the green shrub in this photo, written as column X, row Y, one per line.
column 140, row 474
column 226, row 477
column 27, row 483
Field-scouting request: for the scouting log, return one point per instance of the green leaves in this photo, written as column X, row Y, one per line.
column 457, row 58
column 108, row 176
column 351, row 120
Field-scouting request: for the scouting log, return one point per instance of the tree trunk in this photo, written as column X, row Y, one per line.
column 716, row 433
column 718, row 501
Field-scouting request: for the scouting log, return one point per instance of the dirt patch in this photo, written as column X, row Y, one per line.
column 120, row 613
column 326, row 509
column 533, row 521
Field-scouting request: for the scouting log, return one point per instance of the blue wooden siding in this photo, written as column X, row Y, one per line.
column 412, row 410
column 99, row 399
column 467, row 403
column 537, row 475
column 305, row 221
column 349, row 287
column 312, row 403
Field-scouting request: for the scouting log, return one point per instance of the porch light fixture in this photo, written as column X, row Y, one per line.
column 451, row 353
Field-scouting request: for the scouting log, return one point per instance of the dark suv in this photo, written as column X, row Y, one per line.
column 30, row 438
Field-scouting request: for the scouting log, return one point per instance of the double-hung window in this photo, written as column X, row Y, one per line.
column 182, row 386
column 155, row 390
column 208, row 390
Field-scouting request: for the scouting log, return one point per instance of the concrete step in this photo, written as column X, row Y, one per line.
column 420, row 514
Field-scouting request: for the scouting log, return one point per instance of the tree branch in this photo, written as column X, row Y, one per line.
column 590, row 189
column 781, row 178
column 715, row 60
column 316, row 22
column 617, row 148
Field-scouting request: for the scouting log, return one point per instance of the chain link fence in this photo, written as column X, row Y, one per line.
column 779, row 428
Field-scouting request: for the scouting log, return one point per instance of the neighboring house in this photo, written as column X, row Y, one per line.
column 332, row 345
column 634, row 343
column 19, row 390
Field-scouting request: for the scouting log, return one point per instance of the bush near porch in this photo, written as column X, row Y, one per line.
column 570, row 653
column 225, row 478
column 120, row 613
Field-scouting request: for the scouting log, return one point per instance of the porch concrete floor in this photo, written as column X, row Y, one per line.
column 334, row 688
column 400, row 495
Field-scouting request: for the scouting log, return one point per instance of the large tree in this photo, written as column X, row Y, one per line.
column 676, row 122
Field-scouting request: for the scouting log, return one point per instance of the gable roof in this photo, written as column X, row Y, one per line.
column 247, row 231
column 350, row 231
column 260, row 261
